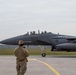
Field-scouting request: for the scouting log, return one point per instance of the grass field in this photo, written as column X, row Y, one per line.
column 36, row 52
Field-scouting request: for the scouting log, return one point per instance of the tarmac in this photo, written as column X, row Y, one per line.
column 37, row 65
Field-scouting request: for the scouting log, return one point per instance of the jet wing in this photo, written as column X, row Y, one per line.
column 71, row 38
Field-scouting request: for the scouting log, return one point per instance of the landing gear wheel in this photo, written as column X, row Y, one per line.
column 43, row 54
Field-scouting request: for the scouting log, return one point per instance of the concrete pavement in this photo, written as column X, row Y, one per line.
column 38, row 65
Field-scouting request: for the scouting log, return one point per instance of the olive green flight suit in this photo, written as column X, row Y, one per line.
column 21, row 57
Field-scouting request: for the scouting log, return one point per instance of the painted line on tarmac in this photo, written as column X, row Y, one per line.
column 49, row 66
column 31, row 59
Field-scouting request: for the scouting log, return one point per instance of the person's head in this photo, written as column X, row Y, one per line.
column 21, row 43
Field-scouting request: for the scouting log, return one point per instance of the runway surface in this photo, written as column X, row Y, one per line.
column 37, row 65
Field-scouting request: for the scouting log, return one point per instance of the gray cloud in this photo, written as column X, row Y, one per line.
column 50, row 15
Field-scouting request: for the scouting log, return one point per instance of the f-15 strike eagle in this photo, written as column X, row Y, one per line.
column 57, row 41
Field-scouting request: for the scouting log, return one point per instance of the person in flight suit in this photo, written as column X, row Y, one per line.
column 21, row 58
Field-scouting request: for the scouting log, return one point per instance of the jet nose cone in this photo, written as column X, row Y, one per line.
column 9, row 42
column 4, row 42
column 12, row 41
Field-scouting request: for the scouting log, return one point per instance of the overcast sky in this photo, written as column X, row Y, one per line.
column 19, row 16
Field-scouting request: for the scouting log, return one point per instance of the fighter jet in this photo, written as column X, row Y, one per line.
column 58, row 42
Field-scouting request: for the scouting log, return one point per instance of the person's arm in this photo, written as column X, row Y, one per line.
column 15, row 52
column 26, row 53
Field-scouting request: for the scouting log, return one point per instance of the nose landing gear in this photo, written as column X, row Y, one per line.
column 43, row 54
column 42, row 50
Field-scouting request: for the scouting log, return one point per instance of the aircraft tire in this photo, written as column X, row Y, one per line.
column 43, row 54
